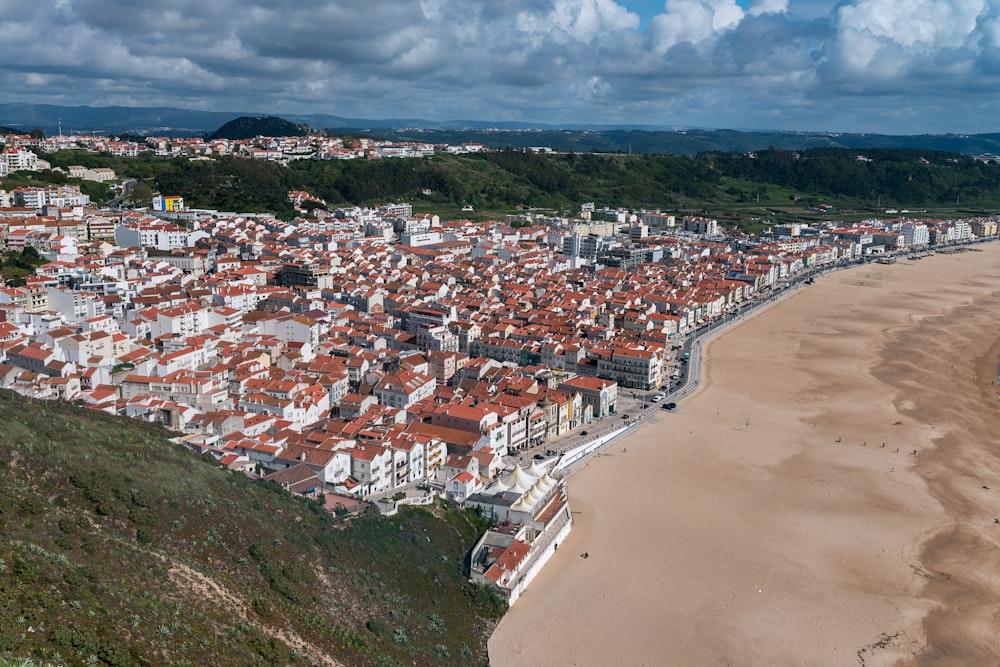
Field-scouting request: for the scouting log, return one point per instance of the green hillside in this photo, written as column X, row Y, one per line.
column 689, row 142
column 248, row 127
column 735, row 186
column 118, row 547
column 722, row 184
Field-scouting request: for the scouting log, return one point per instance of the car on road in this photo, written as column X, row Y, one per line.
column 538, row 457
column 658, row 398
column 626, row 416
column 669, row 406
column 583, row 433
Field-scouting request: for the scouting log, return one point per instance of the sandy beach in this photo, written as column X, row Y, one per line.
column 826, row 497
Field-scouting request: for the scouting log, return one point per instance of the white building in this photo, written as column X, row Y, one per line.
column 915, row 234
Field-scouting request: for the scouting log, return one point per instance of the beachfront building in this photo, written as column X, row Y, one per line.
column 984, row 227
column 914, row 234
column 532, row 517
column 599, row 396
column 638, row 368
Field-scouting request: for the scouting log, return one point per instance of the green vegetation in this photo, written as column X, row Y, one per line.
column 229, row 184
column 15, row 266
column 738, row 189
column 118, row 547
column 248, row 127
column 684, row 142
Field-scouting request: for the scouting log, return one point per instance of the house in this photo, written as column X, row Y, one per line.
column 600, row 395
column 299, row 479
column 403, row 389
column 463, row 485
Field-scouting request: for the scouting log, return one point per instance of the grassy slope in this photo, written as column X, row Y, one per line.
column 121, row 548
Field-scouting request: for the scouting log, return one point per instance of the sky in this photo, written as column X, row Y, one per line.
column 881, row 66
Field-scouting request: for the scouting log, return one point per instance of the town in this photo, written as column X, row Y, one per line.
column 380, row 354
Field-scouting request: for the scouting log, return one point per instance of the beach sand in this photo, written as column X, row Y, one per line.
column 766, row 524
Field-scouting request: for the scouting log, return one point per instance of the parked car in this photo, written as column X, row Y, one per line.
column 670, row 406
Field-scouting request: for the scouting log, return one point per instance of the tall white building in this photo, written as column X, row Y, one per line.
column 17, row 159
column 915, row 234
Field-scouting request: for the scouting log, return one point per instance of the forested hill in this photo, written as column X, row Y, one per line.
column 503, row 180
column 248, row 127
column 902, row 176
column 118, row 547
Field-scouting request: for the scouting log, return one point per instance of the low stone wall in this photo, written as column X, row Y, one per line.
column 581, row 452
column 539, row 561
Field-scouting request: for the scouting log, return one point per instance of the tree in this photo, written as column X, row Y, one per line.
column 37, row 133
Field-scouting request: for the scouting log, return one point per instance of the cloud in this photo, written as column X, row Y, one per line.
column 795, row 64
column 692, row 21
column 577, row 20
column 758, row 7
column 927, row 24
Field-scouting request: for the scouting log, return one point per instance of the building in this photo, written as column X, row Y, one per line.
column 168, row 204
column 532, row 515
column 598, row 395
column 915, row 234
column 639, row 368
column 699, row 225
column 403, row 389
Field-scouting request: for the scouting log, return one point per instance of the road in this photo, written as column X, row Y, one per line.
column 128, row 185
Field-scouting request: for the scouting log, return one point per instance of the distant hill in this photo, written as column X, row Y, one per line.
column 683, row 142
column 666, row 140
column 248, row 127
column 118, row 547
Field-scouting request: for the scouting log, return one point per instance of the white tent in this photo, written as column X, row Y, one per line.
column 521, row 506
column 518, row 480
column 535, row 470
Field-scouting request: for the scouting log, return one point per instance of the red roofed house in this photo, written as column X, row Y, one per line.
column 597, row 394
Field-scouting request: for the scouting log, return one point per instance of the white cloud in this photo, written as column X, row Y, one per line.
column 581, row 20
column 758, row 7
column 692, row 21
column 929, row 24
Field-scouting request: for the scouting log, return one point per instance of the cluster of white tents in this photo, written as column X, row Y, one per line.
column 533, row 483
